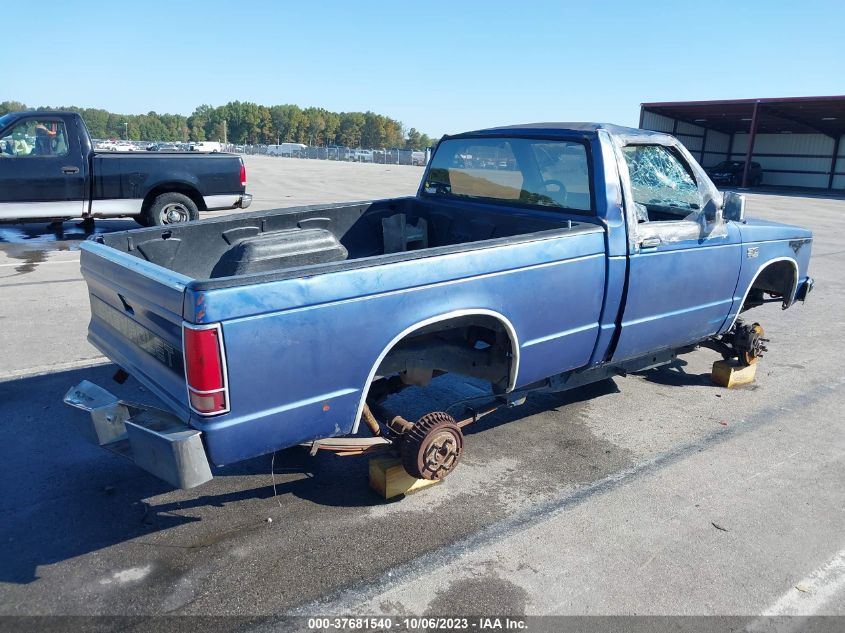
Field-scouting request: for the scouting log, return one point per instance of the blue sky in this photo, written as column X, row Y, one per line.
column 438, row 66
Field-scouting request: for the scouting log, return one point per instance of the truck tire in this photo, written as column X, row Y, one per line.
column 171, row 208
column 143, row 220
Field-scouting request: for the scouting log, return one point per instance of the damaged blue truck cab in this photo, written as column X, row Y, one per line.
column 537, row 257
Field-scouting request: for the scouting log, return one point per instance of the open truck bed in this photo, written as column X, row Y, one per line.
column 274, row 245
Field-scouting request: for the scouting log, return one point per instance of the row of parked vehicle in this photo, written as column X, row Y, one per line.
column 138, row 146
column 393, row 156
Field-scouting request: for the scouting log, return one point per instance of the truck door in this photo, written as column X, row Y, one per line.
column 42, row 170
column 683, row 269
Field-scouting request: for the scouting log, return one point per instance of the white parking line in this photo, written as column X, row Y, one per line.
column 25, row 263
column 808, row 596
column 29, row 372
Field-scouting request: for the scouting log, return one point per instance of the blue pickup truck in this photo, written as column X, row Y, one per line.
column 534, row 257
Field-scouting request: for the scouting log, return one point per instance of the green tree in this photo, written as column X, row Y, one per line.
column 11, row 106
column 315, row 125
column 330, row 132
column 372, row 132
column 198, row 122
column 216, row 127
column 351, row 126
column 96, row 121
column 247, row 122
column 413, row 140
column 266, row 130
column 288, row 122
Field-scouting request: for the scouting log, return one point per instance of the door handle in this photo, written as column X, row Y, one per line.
column 70, row 170
column 650, row 242
column 127, row 308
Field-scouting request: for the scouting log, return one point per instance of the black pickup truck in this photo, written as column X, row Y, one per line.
column 49, row 170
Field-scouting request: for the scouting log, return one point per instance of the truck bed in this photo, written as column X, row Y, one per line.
column 279, row 244
column 294, row 290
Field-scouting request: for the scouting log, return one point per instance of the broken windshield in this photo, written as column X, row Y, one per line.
column 661, row 182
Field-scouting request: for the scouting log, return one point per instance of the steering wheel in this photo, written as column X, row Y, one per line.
column 557, row 183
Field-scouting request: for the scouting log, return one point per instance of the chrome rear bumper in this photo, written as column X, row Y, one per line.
column 154, row 440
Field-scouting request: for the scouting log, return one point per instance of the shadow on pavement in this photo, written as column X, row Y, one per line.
column 673, row 375
column 63, row 497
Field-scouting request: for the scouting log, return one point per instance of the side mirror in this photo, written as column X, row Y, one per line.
column 734, row 206
column 712, row 212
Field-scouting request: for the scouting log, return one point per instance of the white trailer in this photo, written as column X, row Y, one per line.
column 207, row 146
column 285, row 149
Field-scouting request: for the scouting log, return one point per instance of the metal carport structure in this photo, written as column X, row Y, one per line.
column 797, row 140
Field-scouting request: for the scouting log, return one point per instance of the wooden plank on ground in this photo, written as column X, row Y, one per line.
column 730, row 373
column 389, row 479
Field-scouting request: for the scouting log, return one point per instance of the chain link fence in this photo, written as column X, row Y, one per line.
column 297, row 150
column 393, row 156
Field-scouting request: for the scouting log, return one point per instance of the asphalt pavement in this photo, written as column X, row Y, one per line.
column 656, row 493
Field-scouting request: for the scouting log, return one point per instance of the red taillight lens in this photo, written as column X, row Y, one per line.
column 243, row 174
column 202, row 360
column 204, row 369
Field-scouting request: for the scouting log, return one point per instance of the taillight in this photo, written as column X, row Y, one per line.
column 205, row 369
column 243, row 174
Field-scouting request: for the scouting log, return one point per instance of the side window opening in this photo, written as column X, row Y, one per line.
column 34, row 138
column 668, row 203
column 564, row 173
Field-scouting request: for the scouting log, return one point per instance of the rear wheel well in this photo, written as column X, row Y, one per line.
column 778, row 279
column 476, row 345
column 173, row 187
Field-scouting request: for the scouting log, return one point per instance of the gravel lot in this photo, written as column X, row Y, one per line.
column 655, row 493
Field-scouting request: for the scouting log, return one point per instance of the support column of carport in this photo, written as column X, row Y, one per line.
column 750, row 151
column 833, row 161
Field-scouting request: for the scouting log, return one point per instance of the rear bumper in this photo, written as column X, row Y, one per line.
column 228, row 201
column 154, row 440
column 245, row 200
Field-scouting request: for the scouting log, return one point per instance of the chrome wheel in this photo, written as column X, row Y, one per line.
column 174, row 213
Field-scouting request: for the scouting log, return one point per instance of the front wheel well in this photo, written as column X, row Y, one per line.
column 173, row 187
column 778, row 279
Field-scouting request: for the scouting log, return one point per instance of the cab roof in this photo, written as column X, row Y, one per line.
column 44, row 113
column 553, row 129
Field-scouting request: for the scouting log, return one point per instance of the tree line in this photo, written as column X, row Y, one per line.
column 244, row 123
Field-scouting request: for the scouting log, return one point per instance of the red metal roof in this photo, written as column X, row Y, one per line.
column 825, row 115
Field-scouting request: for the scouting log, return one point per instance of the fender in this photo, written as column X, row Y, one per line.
column 787, row 301
column 436, row 319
